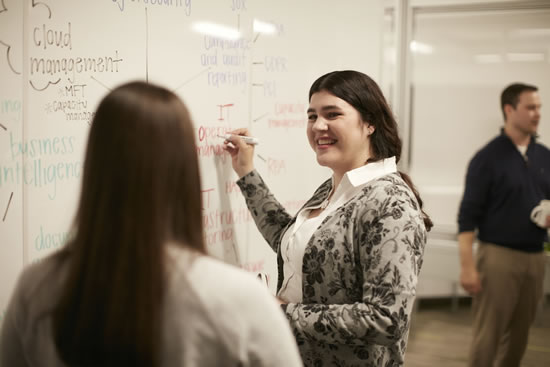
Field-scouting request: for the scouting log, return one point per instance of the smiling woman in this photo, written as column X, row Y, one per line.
column 349, row 260
column 337, row 134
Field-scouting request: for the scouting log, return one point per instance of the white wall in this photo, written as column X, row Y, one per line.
column 262, row 81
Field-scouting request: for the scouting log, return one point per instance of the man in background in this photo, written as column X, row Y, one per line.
column 505, row 181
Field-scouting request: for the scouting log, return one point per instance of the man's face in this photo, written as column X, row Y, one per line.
column 526, row 116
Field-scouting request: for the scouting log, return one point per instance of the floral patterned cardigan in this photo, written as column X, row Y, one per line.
column 360, row 270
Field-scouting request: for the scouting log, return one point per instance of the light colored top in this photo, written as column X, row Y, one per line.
column 523, row 150
column 215, row 315
column 297, row 236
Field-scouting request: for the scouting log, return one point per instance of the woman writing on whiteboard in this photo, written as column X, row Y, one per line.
column 349, row 260
column 134, row 287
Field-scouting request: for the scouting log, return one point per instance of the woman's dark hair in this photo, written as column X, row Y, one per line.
column 360, row 91
column 140, row 191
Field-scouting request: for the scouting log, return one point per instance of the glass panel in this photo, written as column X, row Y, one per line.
column 460, row 64
column 388, row 55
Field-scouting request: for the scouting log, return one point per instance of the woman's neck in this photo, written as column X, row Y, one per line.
column 336, row 179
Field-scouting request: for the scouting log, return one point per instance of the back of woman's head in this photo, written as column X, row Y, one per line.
column 141, row 167
column 361, row 92
column 140, row 191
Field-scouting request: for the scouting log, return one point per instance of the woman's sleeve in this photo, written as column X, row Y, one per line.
column 11, row 344
column 270, row 342
column 270, row 216
column 389, row 242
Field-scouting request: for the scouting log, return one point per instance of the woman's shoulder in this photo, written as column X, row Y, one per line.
column 390, row 185
column 40, row 274
column 37, row 289
column 221, row 284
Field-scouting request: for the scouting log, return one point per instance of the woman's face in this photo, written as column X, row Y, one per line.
column 337, row 133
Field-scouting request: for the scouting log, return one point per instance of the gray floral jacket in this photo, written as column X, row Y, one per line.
column 360, row 270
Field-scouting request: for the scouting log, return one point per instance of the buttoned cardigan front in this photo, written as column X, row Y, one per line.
column 360, row 270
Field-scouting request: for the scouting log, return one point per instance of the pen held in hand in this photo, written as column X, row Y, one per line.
column 247, row 139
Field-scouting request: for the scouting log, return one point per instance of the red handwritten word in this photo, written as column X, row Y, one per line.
column 221, row 235
column 276, row 167
column 287, row 123
column 223, row 218
column 206, row 132
column 205, row 194
column 290, row 108
column 231, row 187
column 211, row 150
column 254, row 266
column 222, row 106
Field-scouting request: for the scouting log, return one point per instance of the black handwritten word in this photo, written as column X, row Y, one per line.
column 75, row 65
column 72, row 105
column 48, row 37
column 227, row 59
column 275, row 64
column 168, row 3
column 42, row 147
column 74, row 110
column 224, row 44
column 209, row 59
column 86, row 116
column 74, row 89
column 238, row 5
column 230, row 78
column 270, row 88
column 234, row 60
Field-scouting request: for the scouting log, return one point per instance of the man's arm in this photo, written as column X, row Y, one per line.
column 469, row 277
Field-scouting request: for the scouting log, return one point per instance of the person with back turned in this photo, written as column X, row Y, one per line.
column 134, row 286
column 505, row 181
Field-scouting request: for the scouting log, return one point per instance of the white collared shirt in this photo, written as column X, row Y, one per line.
column 297, row 236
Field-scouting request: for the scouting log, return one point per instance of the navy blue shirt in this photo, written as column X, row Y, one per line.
column 502, row 188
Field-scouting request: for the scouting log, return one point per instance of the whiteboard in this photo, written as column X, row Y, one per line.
column 58, row 58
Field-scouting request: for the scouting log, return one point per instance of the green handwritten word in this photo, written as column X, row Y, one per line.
column 40, row 173
column 50, row 241
column 58, row 145
column 11, row 107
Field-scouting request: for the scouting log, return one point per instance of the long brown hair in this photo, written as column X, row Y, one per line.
column 360, row 91
column 140, row 191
